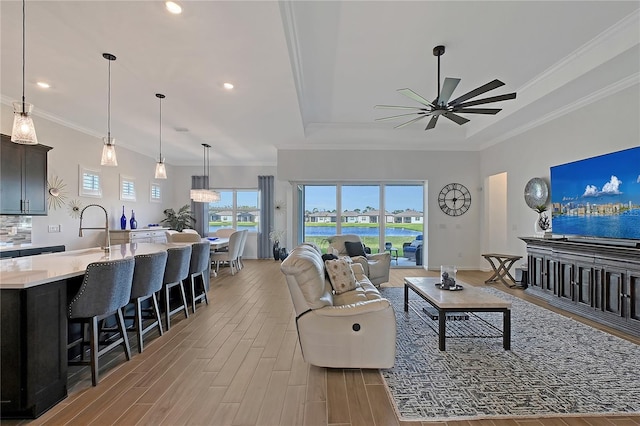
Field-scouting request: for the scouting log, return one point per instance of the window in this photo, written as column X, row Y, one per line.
column 237, row 209
column 89, row 182
column 127, row 188
column 382, row 215
column 155, row 195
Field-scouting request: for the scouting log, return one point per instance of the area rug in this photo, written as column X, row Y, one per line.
column 556, row 367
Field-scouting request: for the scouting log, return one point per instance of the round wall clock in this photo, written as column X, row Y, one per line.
column 454, row 199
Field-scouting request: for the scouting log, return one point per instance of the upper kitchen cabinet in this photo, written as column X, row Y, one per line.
column 23, row 178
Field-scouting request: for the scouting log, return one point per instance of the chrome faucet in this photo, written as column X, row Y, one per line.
column 107, row 241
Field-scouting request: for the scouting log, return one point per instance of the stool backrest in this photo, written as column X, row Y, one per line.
column 177, row 269
column 105, row 288
column 200, row 255
column 148, row 274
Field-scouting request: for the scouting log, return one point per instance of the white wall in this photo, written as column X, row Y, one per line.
column 609, row 125
column 451, row 240
column 71, row 148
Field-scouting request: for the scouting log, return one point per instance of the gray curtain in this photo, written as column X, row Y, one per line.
column 265, row 186
column 200, row 210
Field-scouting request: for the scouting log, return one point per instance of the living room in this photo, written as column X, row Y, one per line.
column 602, row 120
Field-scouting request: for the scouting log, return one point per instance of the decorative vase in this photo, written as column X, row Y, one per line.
column 542, row 224
column 133, row 222
column 123, row 220
column 283, row 253
column 276, row 250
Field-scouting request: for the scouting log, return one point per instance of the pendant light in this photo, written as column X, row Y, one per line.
column 23, row 131
column 205, row 195
column 109, row 147
column 161, row 170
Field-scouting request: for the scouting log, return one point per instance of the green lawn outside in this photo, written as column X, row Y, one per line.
column 371, row 242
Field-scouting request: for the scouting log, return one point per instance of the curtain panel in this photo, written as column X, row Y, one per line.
column 200, row 210
column 266, row 188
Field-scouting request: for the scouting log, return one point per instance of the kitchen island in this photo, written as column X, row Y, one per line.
column 33, row 323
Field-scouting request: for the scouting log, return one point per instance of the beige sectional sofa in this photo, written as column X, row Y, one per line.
column 353, row 329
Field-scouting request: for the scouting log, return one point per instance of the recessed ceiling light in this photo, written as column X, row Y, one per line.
column 173, row 7
column 43, row 84
column 228, row 86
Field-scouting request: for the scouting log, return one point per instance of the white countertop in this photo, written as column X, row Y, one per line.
column 29, row 271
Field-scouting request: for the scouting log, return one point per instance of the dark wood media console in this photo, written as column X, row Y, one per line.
column 596, row 280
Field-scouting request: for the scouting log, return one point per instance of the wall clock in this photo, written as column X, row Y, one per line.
column 454, row 199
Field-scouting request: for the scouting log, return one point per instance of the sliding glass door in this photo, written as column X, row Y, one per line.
column 386, row 216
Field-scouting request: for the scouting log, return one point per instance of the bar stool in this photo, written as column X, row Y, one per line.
column 105, row 290
column 199, row 265
column 177, row 270
column 147, row 281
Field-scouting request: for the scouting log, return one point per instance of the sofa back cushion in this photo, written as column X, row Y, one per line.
column 304, row 271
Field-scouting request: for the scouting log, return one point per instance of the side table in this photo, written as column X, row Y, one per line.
column 501, row 271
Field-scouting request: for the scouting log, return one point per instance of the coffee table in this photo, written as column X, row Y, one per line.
column 469, row 299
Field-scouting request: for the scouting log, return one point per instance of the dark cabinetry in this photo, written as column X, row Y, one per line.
column 598, row 281
column 34, row 360
column 23, row 178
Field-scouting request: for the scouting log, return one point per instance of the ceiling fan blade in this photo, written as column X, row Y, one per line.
column 413, row 95
column 477, row 110
column 487, row 100
column 411, row 121
column 396, row 116
column 399, row 107
column 432, row 122
column 455, row 118
column 478, row 91
column 448, row 87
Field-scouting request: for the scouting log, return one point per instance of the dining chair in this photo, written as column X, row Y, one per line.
column 105, row 291
column 185, row 237
column 245, row 233
column 230, row 256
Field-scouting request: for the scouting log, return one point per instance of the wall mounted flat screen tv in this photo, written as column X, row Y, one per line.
column 598, row 196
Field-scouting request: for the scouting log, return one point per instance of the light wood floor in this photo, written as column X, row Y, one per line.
column 237, row 362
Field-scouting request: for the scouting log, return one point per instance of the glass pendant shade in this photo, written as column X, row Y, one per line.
column 23, row 131
column 161, row 170
column 109, row 152
column 204, row 196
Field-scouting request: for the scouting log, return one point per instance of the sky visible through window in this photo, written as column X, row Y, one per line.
column 398, row 197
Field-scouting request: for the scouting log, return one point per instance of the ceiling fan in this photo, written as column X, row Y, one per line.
column 441, row 106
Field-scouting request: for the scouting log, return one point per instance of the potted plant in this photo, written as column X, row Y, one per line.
column 180, row 220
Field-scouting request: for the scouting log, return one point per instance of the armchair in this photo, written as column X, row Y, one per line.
column 376, row 266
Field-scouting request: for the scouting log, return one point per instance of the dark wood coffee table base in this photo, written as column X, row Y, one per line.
column 467, row 300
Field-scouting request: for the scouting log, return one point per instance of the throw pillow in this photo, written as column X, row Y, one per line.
column 354, row 248
column 341, row 275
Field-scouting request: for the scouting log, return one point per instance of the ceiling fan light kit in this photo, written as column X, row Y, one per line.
column 442, row 106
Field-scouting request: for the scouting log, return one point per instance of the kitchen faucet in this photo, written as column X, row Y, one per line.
column 107, row 241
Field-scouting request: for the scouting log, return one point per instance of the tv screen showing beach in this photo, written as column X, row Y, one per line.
column 598, row 197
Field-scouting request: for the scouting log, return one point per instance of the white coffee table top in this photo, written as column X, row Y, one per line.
column 469, row 298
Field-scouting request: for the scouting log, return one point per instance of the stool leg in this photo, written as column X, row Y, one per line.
column 156, row 309
column 94, row 342
column 184, row 300
column 138, row 320
column 123, row 332
column 167, row 308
